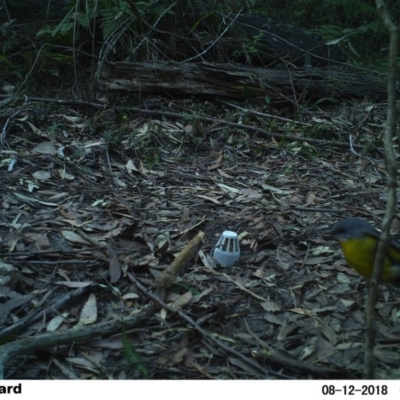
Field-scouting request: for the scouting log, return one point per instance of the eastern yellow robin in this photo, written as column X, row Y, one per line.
column 359, row 241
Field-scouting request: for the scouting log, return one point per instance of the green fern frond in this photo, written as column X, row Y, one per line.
column 133, row 357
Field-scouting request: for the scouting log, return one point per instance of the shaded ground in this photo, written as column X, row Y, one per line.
column 97, row 198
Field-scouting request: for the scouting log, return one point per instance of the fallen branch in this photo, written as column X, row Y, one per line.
column 167, row 278
column 38, row 315
column 54, row 339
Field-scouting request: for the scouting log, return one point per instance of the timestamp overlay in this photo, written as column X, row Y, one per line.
column 359, row 388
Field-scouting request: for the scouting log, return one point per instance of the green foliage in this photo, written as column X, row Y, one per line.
column 152, row 160
column 354, row 25
column 84, row 15
column 196, row 24
column 133, row 357
column 324, row 12
column 112, row 138
column 112, row 15
column 353, row 10
column 120, row 30
column 5, row 62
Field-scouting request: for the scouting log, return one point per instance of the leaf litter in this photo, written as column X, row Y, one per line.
column 81, row 213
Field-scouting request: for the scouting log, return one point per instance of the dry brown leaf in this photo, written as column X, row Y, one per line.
column 89, row 311
column 285, row 330
column 45, row 148
column 63, row 174
column 270, row 306
column 74, row 237
column 41, row 175
column 273, row 319
column 224, row 174
column 5, row 267
column 114, row 266
column 330, row 335
column 324, row 349
column 75, row 285
column 182, row 300
column 349, row 345
column 215, row 201
column 56, row 322
column 214, row 166
column 252, row 193
column 178, row 357
column 347, row 303
column 303, row 312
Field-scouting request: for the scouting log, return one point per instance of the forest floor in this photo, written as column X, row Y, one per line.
column 95, row 204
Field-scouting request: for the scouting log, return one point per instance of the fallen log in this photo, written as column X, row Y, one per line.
column 240, row 82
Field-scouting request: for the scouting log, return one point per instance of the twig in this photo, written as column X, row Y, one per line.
column 216, row 40
column 196, row 326
column 98, row 106
column 265, row 115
